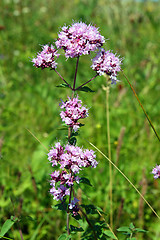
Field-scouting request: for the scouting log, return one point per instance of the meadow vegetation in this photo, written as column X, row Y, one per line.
column 29, row 100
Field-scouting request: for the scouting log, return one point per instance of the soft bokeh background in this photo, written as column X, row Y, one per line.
column 29, row 99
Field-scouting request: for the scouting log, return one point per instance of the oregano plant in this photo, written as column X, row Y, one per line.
column 69, row 160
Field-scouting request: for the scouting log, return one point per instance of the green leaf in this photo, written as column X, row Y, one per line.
column 13, row 218
column 77, row 217
column 26, row 219
column 81, row 125
column 63, row 85
column 63, row 127
column 85, row 181
column 72, row 140
column 109, row 234
column 76, row 229
column 64, row 236
column 100, row 210
column 131, row 226
column 140, row 230
column 6, row 226
column 74, row 134
column 60, row 206
column 81, row 222
column 131, row 239
column 85, row 89
column 124, row 229
column 90, row 209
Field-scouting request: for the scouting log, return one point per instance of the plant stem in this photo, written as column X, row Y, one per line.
column 69, row 136
column 75, row 76
column 109, row 154
column 68, row 223
column 85, row 215
column 19, row 227
column 89, row 223
column 86, row 82
column 63, row 79
column 68, row 212
column 69, row 133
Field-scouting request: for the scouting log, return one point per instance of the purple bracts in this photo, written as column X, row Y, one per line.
column 107, row 62
column 156, row 171
column 73, row 112
column 71, row 159
column 46, row 58
column 79, row 39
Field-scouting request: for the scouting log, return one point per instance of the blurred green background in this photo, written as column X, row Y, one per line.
column 30, row 100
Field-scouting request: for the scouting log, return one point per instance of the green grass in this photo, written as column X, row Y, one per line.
column 29, row 99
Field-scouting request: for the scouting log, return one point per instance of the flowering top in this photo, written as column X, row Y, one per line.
column 45, row 59
column 79, row 39
column 73, row 112
column 71, row 157
column 107, row 62
column 156, row 172
column 71, row 160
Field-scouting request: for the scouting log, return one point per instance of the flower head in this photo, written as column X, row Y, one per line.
column 71, row 159
column 46, row 58
column 60, row 193
column 73, row 112
column 79, row 39
column 156, row 171
column 107, row 62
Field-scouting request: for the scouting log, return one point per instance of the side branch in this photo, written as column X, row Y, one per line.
column 63, row 79
column 86, row 82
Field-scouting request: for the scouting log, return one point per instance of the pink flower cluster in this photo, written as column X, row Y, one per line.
column 71, row 160
column 107, row 62
column 73, row 112
column 156, row 172
column 79, row 39
column 46, row 58
column 71, row 157
column 76, row 40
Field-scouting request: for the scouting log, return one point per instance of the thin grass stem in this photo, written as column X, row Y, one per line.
column 109, row 154
column 37, row 139
column 110, row 228
column 142, row 107
column 126, row 179
column 6, row 238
